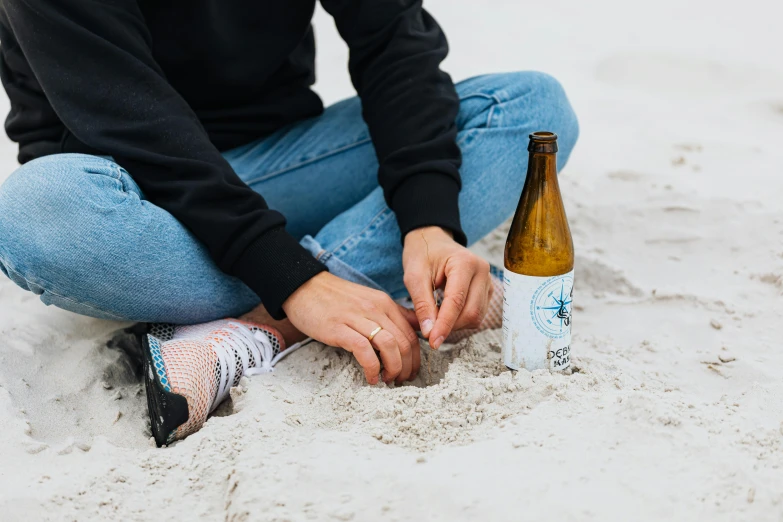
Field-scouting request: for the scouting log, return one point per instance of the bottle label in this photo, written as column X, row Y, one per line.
column 537, row 321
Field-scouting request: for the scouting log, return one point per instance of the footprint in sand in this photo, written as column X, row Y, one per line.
column 687, row 149
column 625, row 175
column 768, row 109
column 681, row 209
column 687, row 76
column 596, row 276
column 770, row 278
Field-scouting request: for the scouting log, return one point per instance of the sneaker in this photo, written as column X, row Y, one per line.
column 191, row 369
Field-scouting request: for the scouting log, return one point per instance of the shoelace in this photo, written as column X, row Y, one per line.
column 243, row 342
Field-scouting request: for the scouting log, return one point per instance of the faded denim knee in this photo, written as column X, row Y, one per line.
column 42, row 205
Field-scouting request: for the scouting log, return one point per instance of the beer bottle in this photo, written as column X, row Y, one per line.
column 539, row 275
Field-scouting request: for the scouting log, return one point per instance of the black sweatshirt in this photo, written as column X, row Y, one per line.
column 163, row 86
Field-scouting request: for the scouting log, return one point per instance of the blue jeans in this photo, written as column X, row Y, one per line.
column 76, row 230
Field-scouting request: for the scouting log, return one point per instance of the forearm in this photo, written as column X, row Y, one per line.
column 410, row 106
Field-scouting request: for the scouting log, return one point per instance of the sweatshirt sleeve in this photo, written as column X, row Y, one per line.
column 94, row 63
column 409, row 105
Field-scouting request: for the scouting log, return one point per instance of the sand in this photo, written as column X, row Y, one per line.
column 674, row 410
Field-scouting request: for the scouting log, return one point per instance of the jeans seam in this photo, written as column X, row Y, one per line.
column 491, row 115
column 324, row 256
column 493, row 110
column 98, row 167
column 353, row 237
column 492, row 96
column 119, row 170
column 308, row 162
column 11, row 269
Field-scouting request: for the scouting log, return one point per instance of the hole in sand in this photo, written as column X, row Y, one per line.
column 435, row 363
column 461, row 394
column 225, row 409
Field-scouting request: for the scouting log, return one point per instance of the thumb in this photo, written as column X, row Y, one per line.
column 419, row 286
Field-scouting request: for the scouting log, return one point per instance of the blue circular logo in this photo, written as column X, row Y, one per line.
column 550, row 307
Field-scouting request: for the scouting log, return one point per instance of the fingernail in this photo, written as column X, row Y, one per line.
column 426, row 327
column 438, row 342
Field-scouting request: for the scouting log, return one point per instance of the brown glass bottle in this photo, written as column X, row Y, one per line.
column 539, row 263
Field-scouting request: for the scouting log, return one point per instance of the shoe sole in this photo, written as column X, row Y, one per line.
column 168, row 411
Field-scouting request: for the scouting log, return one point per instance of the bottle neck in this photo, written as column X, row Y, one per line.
column 542, row 165
column 539, row 242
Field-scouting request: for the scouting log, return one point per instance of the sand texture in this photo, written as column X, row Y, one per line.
column 674, row 410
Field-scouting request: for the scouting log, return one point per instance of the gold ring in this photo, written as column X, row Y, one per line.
column 374, row 333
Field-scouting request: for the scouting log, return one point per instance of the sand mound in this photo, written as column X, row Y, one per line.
column 462, row 392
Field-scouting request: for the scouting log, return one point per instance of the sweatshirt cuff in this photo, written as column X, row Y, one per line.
column 426, row 200
column 274, row 266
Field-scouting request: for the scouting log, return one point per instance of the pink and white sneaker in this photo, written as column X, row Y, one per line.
column 190, row 369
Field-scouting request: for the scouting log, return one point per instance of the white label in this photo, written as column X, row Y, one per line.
column 537, row 321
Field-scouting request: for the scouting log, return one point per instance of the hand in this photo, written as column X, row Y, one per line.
column 430, row 259
column 344, row 314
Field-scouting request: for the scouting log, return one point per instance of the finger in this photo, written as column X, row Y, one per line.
column 455, row 297
column 403, row 346
column 390, row 355
column 416, row 352
column 362, row 350
column 410, row 317
column 418, row 281
column 475, row 307
column 384, row 342
column 406, row 339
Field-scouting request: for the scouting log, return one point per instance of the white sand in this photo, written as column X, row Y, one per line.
column 674, row 195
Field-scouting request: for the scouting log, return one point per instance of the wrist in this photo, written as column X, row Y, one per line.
column 302, row 290
column 274, row 266
column 434, row 232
